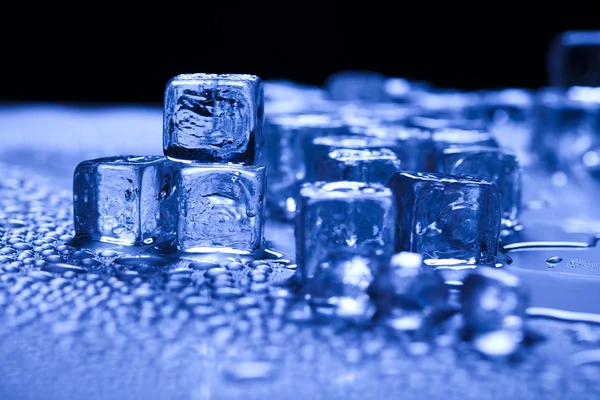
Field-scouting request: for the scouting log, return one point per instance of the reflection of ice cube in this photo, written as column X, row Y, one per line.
column 493, row 299
column 339, row 217
column 492, row 164
column 446, row 217
column 340, row 284
column 574, row 59
column 213, row 118
column 284, row 158
column 220, row 208
column 127, row 200
column 374, row 165
column 405, row 283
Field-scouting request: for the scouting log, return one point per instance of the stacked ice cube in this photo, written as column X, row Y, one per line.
column 206, row 194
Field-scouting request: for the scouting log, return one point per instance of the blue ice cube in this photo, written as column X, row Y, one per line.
column 568, row 125
column 447, row 138
column 373, row 165
column 509, row 116
column 406, row 283
column 362, row 115
column 448, row 104
column 446, row 218
column 127, row 200
column 493, row 299
column 574, row 59
column 220, row 208
column 340, row 283
column 213, row 118
column 317, row 150
column 339, row 217
column 493, row 164
column 367, row 86
column 439, row 122
column 413, row 146
column 283, row 156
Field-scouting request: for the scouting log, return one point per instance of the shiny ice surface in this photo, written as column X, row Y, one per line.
column 213, row 118
column 446, row 217
column 374, row 165
column 342, row 216
column 221, row 208
column 125, row 199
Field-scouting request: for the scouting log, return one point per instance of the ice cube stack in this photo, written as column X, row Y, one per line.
column 206, row 194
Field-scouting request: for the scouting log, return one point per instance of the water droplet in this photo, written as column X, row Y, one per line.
column 552, row 261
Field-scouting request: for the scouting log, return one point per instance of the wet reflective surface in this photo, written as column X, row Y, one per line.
column 102, row 321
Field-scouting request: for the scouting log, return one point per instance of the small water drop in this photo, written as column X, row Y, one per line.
column 552, row 261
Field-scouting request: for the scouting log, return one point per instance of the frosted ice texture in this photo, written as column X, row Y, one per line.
column 342, row 216
column 374, row 165
column 213, row 118
column 127, row 199
column 446, row 217
column 220, row 208
column 492, row 164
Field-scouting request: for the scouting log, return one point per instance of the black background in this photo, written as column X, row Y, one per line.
column 94, row 53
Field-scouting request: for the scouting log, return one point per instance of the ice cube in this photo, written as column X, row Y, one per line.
column 574, row 59
column 509, row 116
column 446, row 218
column 413, row 146
column 317, row 150
column 436, row 123
column 493, row 164
column 492, row 300
column 340, row 284
column 373, row 165
column 213, row 118
column 568, row 124
column 127, row 200
column 220, row 208
column 449, row 104
column 342, row 217
column 407, row 283
column 284, row 158
column 446, row 138
column 364, row 115
column 367, row 86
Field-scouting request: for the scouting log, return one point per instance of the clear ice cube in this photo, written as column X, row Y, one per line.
column 367, row 86
column 493, row 300
column 127, row 200
column 574, row 59
column 414, row 146
column 317, row 150
column 373, row 165
column 213, row 118
column 340, row 217
column 446, row 218
column 283, row 156
column 492, row 164
column 220, row 208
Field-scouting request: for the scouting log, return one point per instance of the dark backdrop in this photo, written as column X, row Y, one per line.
column 96, row 53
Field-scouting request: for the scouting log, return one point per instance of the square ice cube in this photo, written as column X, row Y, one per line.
column 446, row 218
column 373, row 165
column 492, row 164
column 317, row 150
column 127, row 200
column 367, row 86
column 574, row 59
column 339, row 217
column 283, row 156
column 220, row 208
column 414, row 146
column 213, row 118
